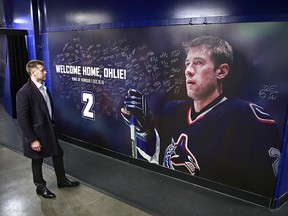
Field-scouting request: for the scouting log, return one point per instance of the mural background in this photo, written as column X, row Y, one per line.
column 151, row 60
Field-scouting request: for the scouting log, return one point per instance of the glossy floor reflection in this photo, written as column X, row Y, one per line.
column 18, row 196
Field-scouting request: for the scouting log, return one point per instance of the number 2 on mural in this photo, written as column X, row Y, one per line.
column 89, row 100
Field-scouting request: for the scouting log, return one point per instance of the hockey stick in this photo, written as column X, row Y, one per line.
column 133, row 137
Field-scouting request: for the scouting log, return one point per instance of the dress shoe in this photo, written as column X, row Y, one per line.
column 68, row 183
column 44, row 192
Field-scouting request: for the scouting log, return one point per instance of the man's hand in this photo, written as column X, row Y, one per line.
column 36, row 146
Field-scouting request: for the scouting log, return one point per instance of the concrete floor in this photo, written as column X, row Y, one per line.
column 18, row 196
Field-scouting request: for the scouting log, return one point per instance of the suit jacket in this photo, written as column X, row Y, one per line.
column 35, row 122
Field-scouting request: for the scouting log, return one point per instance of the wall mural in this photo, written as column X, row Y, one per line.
column 125, row 90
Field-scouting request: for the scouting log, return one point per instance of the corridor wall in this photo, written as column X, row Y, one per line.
column 95, row 52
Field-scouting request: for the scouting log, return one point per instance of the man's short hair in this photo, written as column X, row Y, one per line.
column 33, row 64
column 221, row 50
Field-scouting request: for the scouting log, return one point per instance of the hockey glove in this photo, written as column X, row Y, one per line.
column 136, row 105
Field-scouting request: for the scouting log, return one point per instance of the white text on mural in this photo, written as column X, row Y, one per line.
column 113, row 73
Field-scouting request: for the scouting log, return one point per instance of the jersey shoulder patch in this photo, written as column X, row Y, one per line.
column 260, row 114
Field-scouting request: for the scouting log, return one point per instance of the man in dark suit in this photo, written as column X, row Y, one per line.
column 35, row 115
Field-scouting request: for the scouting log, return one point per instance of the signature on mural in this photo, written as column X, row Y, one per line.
column 268, row 92
column 148, row 70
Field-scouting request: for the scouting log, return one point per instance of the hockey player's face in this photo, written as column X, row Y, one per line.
column 200, row 73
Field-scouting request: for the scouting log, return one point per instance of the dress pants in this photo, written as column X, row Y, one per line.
column 58, row 167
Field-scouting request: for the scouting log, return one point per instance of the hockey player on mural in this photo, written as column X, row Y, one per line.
column 226, row 140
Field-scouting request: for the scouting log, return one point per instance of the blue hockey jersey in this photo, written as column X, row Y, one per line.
column 232, row 142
